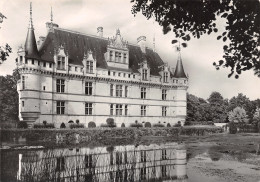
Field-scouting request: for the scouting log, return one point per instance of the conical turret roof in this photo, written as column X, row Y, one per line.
column 30, row 43
column 179, row 71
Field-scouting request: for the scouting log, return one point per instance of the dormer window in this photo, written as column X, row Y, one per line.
column 124, row 60
column 89, row 67
column 61, row 63
column 111, row 55
column 144, row 75
column 165, row 77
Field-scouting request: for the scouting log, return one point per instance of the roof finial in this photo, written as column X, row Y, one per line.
column 31, row 22
column 51, row 15
column 153, row 38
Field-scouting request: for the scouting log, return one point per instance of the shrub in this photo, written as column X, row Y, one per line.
column 158, row 125
column 44, row 122
column 187, row 123
column 111, row 122
column 62, row 125
column 72, row 126
column 22, row 124
column 77, row 121
column 232, row 128
column 47, row 125
column 92, row 124
column 136, row 121
column 178, row 124
column 122, row 125
column 104, row 125
column 71, row 121
column 168, row 125
column 238, row 115
column 136, row 125
column 148, row 125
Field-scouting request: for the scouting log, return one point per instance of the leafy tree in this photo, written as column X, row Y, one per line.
column 4, row 50
column 194, row 18
column 256, row 117
column 9, row 100
column 238, row 115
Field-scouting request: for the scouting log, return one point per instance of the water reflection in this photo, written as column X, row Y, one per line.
column 115, row 163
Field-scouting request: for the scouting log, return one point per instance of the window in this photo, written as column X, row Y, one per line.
column 126, row 91
column 23, row 82
column 143, row 92
column 108, row 72
column 44, row 64
column 164, row 111
column 26, row 61
column 81, row 70
column 143, row 173
column 21, row 59
column 39, row 63
column 164, row 94
column 165, row 77
column 43, row 87
column 143, row 156
column 144, row 76
column 125, row 157
column 22, row 103
column 32, row 61
column 88, row 88
column 119, row 90
column 50, row 65
column 111, row 55
column 60, row 107
column 88, row 108
column 119, row 74
column 88, row 161
column 111, row 158
column 119, row 109
column 89, row 68
column 76, row 68
column 124, row 74
column 133, row 76
column 111, row 89
column 114, row 73
column 61, row 63
column 60, row 164
column 164, row 154
column 118, row 158
column 116, row 56
column 119, row 57
column 111, row 109
column 164, row 171
column 60, row 85
column 124, row 60
column 129, row 75
column 126, row 110
column 143, row 110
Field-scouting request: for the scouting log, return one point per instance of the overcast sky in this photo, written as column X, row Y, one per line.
column 86, row 15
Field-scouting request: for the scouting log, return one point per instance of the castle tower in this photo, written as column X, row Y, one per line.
column 28, row 63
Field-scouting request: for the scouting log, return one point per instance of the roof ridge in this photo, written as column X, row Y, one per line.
column 94, row 36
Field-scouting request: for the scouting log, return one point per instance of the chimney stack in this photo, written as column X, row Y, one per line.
column 141, row 41
column 100, row 31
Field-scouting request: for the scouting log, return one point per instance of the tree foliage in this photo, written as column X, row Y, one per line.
column 194, row 18
column 4, row 50
column 238, row 115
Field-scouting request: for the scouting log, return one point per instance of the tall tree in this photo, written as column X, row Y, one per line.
column 218, row 107
column 197, row 17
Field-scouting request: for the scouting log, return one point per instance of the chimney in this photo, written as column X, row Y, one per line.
column 141, row 41
column 50, row 26
column 100, row 31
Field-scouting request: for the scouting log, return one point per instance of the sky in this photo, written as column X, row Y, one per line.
column 86, row 15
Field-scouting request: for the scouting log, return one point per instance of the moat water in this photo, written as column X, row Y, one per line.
column 154, row 162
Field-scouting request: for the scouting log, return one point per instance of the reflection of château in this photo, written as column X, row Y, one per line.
column 120, row 163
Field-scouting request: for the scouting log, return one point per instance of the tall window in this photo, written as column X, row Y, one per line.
column 165, row 77
column 32, row 61
column 126, row 110
column 89, row 68
column 111, row 109
column 164, row 171
column 119, row 90
column 111, row 55
column 119, row 158
column 60, row 107
column 21, row 59
column 144, row 76
column 61, row 63
column 23, row 82
column 88, row 108
column 143, row 156
column 116, row 56
column 60, row 164
column 164, row 94
column 111, row 89
column 88, row 161
column 143, row 93
column 60, row 85
column 126, row 91
column 119, row 57
column 124, row 60
column 164, row 111
column 143, row 110
column 50, row 65
column 44, row 64
column 88, row 88
column 143, row 173
column 119, row 109
column 164, row 154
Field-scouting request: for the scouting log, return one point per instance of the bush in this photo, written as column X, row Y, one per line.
column 168, row 125
column 232, row 128
column 22, row 124
column 136, row 125
column 111, row 122
column 77, row 121
column 92, row 124
column 123, row 125
column 158, row 125
column 187, row 123
column 104, row 125
column 44, row 122
column 47, row 125
column 62, row 125
column 178, row 124
column 72, row 126
column 148, row 125
column 71, row 121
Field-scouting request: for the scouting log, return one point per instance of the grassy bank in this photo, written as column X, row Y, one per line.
column 87, row 134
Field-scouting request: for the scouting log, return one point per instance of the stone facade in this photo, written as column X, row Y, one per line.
column 74, row 76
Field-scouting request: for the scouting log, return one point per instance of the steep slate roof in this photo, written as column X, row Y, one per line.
column 30, row 45
column 75, row 44
column 179, row 71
